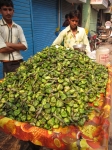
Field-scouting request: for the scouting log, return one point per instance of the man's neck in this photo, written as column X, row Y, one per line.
column 9, row 22
column 74, row 30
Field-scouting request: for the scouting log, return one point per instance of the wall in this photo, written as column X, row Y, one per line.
column 93, row 21
column 86, row 13
column 89, row 17
column 45, row 21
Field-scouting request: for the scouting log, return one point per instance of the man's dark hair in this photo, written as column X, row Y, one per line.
column 73, row 14
column 7, row 3
column 66, row 16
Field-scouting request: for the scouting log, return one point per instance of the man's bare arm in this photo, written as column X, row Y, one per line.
column 17, row 46
column 11, row 47
column 6, row 50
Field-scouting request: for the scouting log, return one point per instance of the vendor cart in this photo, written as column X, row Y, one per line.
column 93, row 135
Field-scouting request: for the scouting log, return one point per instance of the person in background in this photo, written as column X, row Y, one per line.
column 12, row 38
column 73, row 34
column 66, row 22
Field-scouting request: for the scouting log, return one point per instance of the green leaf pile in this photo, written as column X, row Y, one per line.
column 53, row 88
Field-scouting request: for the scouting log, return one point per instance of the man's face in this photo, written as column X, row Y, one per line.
column 73, row 23
column 7, row 12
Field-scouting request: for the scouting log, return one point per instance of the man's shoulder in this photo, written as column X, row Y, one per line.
column 1, row 23
column 80, row 28
column 66, row 29
column 17, row 25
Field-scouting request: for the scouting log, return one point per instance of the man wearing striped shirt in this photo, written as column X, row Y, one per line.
column 12, row 38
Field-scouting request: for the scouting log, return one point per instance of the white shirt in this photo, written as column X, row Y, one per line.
column 11, row 35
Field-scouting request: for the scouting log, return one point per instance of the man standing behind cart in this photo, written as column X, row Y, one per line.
column 73, row 34
column 12, row 38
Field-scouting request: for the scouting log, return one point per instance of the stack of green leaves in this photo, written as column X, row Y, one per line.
column 53, row 88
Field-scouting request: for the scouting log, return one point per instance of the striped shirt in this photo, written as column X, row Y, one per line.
column 11, row 35
column 69, row 39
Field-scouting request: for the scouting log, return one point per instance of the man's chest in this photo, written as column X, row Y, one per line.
column 73, row 37
column 9, row 34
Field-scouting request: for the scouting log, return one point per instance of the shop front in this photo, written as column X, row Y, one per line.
column 45, row 21
column 100, row 6
column 39, row 20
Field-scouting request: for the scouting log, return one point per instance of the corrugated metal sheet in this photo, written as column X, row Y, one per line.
column 22, row 16
column 45, row 21
column 65, row 9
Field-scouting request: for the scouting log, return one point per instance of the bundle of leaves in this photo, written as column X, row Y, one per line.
column 53, row 88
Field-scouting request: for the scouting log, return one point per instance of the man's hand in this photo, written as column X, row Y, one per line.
column 16, row 46
column 7, row 50
column 10, row 44
column 11, row 47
